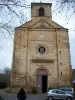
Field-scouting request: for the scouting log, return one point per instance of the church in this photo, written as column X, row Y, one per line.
column 41, row 53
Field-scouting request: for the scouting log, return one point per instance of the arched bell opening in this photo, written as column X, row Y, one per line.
column 41, row 11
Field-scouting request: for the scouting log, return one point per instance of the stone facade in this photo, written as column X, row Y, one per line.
column 28, row 60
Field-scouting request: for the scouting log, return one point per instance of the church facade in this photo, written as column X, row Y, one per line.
column 41, row 56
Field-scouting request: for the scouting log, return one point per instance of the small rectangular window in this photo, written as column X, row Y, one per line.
column 61, row 73
column 60, row 52
column 59, row 40
column 60, row 63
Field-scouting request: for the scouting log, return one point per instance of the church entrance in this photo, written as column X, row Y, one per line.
column 44, row 84
column 41, row 81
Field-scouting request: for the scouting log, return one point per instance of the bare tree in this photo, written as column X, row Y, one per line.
column 10, row 11
column 12, row 14
column 6, row 70
column 67, row 7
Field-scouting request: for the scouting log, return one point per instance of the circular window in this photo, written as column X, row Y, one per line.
column 41, row 49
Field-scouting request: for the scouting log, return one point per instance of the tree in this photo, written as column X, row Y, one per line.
column 13, row 13
column 7, row 72
column 67, row 7
column 9, row 11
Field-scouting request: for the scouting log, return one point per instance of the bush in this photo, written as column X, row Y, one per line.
column 3, row 85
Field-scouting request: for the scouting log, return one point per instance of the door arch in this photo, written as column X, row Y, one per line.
column 41, row 80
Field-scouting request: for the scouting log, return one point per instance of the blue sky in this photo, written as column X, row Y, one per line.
column 6, row 44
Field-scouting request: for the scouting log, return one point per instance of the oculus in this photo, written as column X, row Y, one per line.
column 41, row 50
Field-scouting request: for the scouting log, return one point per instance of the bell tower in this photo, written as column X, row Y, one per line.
column 41, row 10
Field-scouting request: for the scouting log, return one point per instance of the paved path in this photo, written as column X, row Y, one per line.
column 9, row 96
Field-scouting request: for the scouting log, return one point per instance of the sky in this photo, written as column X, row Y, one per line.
column 6, row 44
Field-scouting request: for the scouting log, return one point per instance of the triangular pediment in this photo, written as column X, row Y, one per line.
column 41, row 24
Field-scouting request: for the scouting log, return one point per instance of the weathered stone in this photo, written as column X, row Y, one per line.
column 41, row 31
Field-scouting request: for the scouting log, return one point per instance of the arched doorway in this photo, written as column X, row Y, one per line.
column 41, row 81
